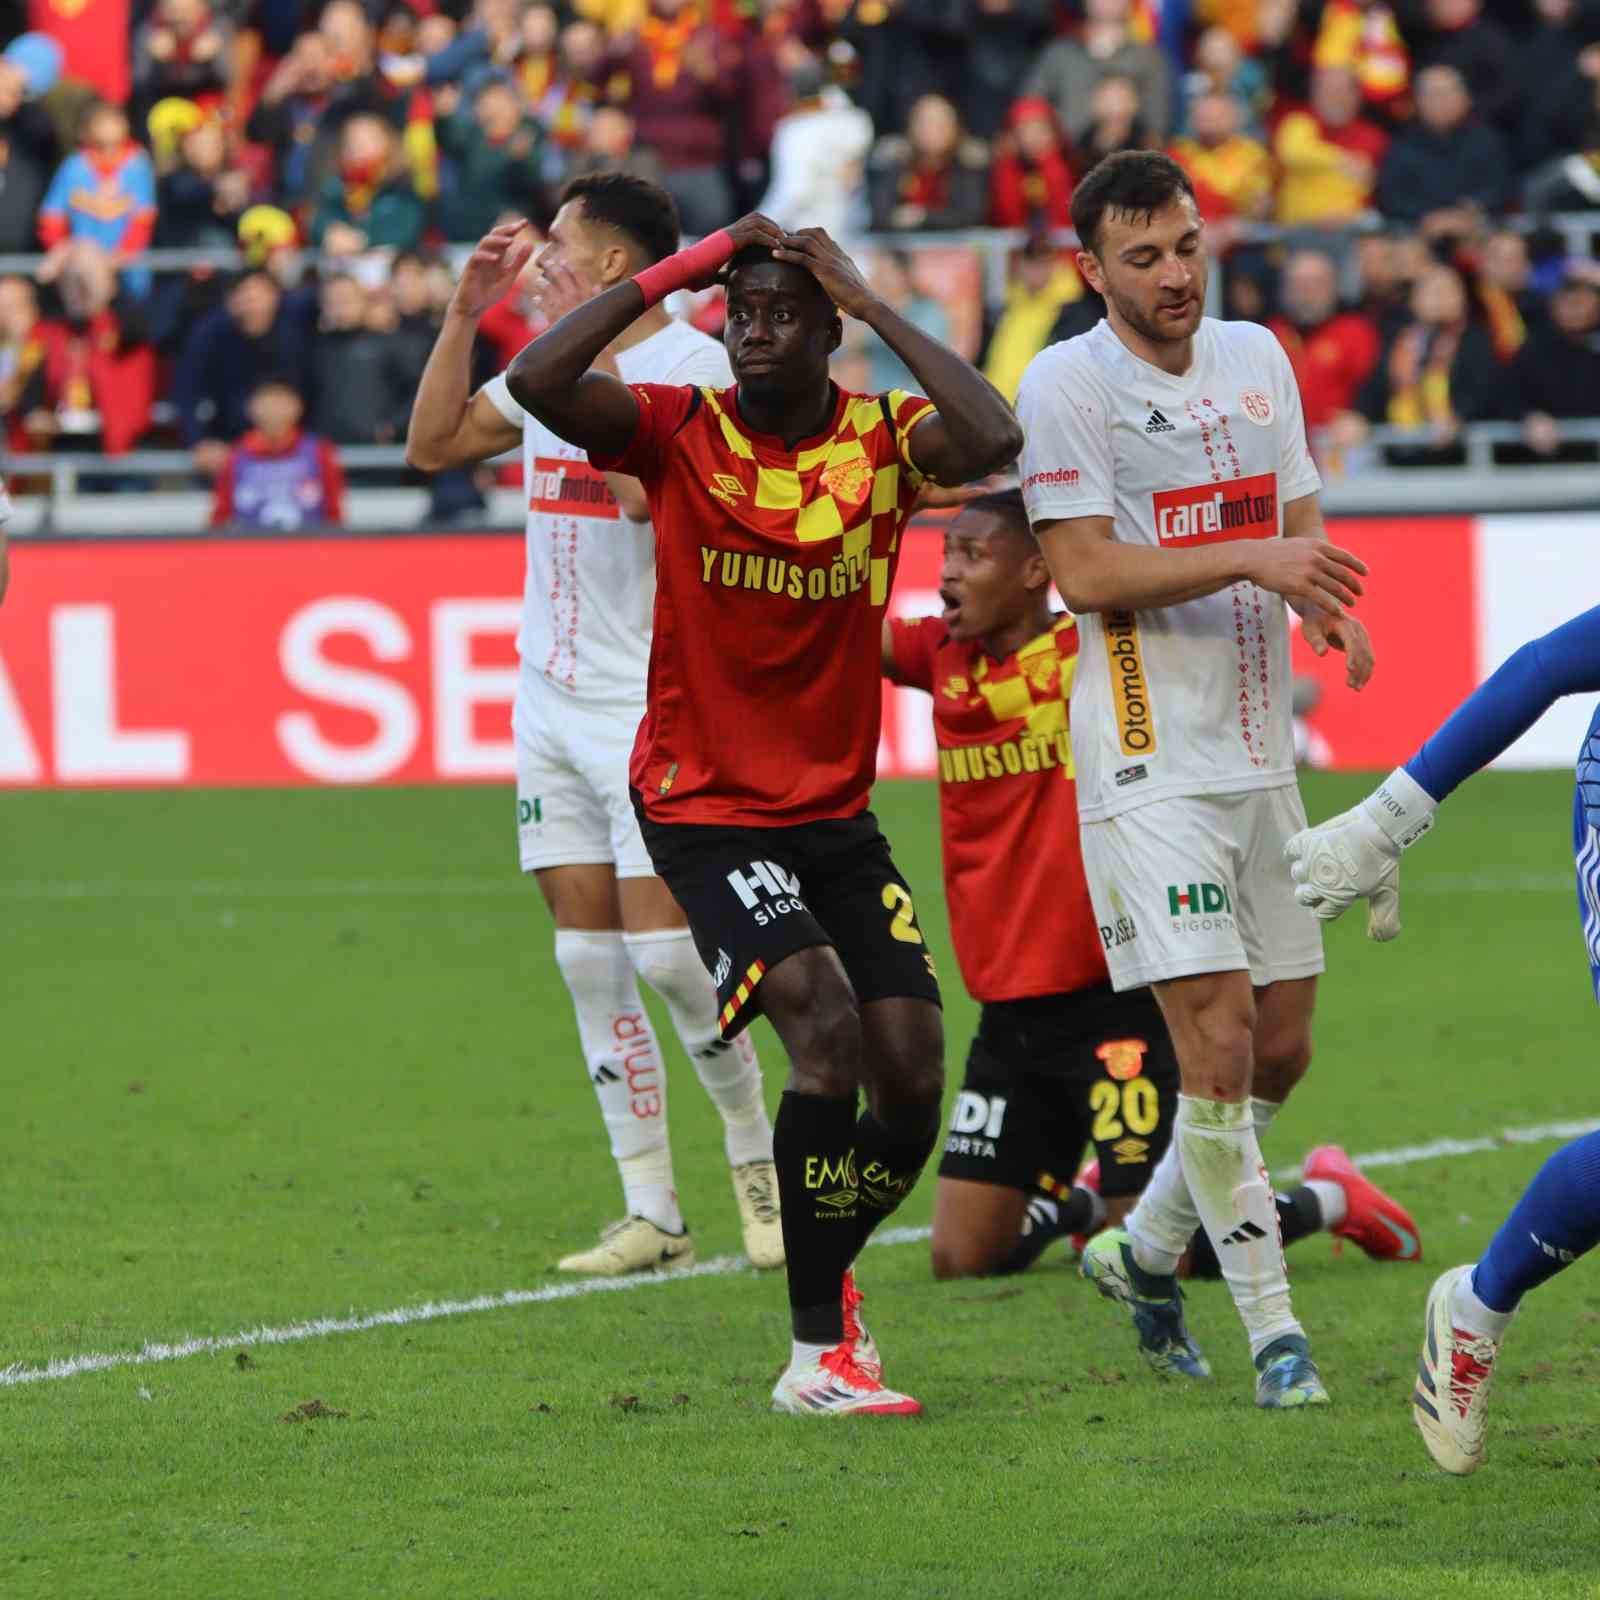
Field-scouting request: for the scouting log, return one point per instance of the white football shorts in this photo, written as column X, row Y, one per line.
column 572, row 783
column 1198, row 883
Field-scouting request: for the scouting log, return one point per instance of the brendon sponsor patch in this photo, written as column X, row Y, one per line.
column 1209, row 513
column 1136, row 729
column 570, row 489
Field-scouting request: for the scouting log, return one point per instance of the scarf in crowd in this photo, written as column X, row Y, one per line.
column 1419, row 376
column 1366, row 41
column 663, row 40
column 1507, row 330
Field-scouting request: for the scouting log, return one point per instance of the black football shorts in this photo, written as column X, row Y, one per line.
column 756, row 895
column 1047, row 1076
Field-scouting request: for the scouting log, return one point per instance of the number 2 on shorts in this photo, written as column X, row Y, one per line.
column 902, row 926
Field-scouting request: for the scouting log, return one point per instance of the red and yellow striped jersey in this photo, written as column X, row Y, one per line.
column 773, row 566
column 1020, row 915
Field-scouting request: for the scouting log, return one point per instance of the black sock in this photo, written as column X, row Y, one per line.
column 1074, row 1214
column 1299, row 1214
column 813, row 1149
column 888, row 1164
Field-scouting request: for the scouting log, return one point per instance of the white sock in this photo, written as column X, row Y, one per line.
column 1331, row 1199
column 1097, row 1208
column 624, row 1064
column 667, row 960
column 1164, row 1221
column 803, row 1353
column 1471, row 1315
column 1262, row 1113
column 1216, row 1140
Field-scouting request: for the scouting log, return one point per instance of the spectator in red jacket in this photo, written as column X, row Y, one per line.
column 1332, row 351
column 1032, row 181
column 99, row 370
column 683, row 83
column 277, row 476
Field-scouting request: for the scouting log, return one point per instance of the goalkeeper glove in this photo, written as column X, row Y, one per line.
column 1356, row 855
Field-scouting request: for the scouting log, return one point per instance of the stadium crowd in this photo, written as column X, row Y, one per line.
column 1409, row 148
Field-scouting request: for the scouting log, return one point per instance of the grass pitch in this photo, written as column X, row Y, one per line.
column 273, row 1056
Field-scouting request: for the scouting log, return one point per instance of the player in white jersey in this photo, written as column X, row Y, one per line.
column 1167, row 476
column 584, row 647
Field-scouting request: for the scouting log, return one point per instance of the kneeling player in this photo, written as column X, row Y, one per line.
column 1060, row 1060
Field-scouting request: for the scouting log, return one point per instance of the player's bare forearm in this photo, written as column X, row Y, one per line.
column 551, row 377
column 975, row 431
column 446, row 429
column 1096, row 572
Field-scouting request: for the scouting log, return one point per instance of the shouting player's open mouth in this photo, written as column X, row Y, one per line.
column 951, row 602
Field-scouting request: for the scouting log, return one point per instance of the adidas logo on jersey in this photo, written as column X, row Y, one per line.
column 1158, row 424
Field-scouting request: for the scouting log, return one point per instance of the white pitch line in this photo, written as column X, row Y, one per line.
column 718, row 1267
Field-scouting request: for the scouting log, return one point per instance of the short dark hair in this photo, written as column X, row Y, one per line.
column 1006, row 506
column 641, row 211
column 1133, row 182
column 276, row 381
column 758, row 255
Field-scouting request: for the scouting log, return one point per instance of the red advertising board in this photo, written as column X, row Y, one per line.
column 392, row 660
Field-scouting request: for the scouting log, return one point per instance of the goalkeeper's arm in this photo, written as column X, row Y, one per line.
column 1356, row 855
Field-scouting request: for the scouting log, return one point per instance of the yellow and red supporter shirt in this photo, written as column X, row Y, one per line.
column 1020, row 914
column 772, row 570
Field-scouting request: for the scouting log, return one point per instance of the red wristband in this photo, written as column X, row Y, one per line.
column 687, row 267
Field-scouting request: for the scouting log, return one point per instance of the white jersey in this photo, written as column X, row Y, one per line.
column 588, row 599
column 1194, row 698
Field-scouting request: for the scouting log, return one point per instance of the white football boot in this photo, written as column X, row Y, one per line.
column 632, row 1245
column 1454, row 1375
column 756, row 1185
column 833, row 1385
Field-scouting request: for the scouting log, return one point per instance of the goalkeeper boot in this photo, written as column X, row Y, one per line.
column 632, row 1245
column 832, row 1384
column 1454, row 1374
column 862, row 1345
column 755, row 1183
column 1375, row 1221
column 1288, row 1377
column 1164, row 1339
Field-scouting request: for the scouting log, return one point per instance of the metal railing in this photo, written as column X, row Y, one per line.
column 179, row 502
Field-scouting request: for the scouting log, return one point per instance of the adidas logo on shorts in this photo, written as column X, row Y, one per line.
column 1158, row 424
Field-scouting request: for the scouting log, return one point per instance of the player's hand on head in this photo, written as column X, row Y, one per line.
column 494, row 266
column 755, row 229
column 1309, row 573
column 1345, row 859
column 839, row 276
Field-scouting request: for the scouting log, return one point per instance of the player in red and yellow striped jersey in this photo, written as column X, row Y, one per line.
column 1060, row 1060
column 778, row 506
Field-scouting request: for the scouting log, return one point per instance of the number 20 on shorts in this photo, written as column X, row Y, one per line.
column 1134, row 1104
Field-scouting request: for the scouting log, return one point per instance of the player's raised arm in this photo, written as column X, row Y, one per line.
column 973, row 430
column 550, row 378
column 450, row 426
column 1356, row 855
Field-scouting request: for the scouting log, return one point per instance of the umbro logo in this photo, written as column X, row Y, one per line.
column 1158, row 424
column 726, row 487
column 1246, row 1233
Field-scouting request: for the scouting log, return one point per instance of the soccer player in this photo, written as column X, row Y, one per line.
column 584, row 648
column 1167, row 476
column 1060, row 1060
column 1356, row 856
column 778, row 505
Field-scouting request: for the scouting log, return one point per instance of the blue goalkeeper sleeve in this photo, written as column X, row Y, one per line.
column 1565, row 661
